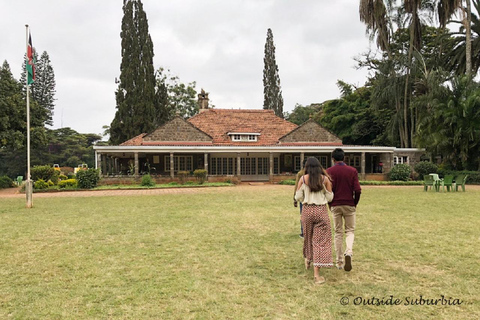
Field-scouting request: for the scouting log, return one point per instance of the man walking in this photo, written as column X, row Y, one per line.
column 346, row 195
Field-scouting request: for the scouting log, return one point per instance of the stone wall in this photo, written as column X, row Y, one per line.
column 311, row 131
column 177, row 130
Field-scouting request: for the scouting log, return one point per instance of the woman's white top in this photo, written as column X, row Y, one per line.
column 306, row 196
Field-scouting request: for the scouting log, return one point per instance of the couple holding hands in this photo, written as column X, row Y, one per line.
column 315, row 188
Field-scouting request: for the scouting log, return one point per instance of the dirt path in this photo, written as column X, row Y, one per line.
column 15, row 192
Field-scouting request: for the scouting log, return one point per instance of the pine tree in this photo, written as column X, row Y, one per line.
column 135, row 95
column 272, row 91
column 42, row 91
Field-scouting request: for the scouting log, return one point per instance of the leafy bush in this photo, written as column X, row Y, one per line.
column 288, row 182
column 190, row 183
column 45, row 173
column 424, row 168
column 200, row 175
column 62, row 177
column 50, row 183
column 40, row 184
column 182, row 175
column 400, row 172
column 173, row 183
column 88, row 179
column 69, row 183
column 147, row 181
column 5, row 182
column 473, row 176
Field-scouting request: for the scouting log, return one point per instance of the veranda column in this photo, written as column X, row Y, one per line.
column 271, row 167
column 115, row 165
column 98, row 162
column 205, row 162
column 104, row 164
column 172, row 166
column 302, row 157
column 136, row 163
column 363, row 166
column 238, row 166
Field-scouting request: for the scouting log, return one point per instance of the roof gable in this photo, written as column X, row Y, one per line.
column 177, row 130
column 311, row 131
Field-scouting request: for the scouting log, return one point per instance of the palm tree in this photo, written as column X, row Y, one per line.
column 374, row 13
column 446, row 9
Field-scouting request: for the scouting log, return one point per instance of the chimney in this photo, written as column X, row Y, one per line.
column 202, row 100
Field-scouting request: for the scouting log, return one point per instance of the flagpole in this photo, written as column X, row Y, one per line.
column 28, row 186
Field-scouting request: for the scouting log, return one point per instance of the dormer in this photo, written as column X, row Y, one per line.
column 243, row 136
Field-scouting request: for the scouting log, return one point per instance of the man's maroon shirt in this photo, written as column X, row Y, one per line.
column 345, row 186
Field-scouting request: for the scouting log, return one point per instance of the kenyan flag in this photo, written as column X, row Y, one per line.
column 30, row 62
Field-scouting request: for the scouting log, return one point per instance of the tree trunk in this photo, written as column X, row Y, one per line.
column 468, row 36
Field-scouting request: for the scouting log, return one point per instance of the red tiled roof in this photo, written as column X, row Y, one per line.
column 176, row 143
column 294, row 144
column 135, row 141
column 218, row 122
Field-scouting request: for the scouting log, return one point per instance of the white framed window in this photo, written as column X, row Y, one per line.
column 180, row 163
column 297, row 166
column 400, row 160
column 245, row 137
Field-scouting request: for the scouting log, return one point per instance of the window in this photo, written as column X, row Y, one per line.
column 244, row 137
column 400, row 160
column 296, row 164
column 222, row 166
column 180, row 163
column 276, row 165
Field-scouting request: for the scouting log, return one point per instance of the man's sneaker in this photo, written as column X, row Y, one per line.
column 301, row 236
column 348, row 263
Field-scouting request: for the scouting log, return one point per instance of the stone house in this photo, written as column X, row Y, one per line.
column 250, row 145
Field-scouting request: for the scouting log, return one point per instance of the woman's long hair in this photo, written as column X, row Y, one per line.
column 315, row 172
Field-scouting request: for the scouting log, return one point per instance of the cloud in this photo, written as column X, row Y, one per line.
column 218, row 44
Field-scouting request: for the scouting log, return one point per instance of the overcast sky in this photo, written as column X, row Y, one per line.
column 217, row 43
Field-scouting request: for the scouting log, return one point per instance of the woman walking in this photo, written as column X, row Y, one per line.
column 314, row 192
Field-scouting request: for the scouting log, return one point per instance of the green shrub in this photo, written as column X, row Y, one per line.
column 288, row 182
column 50, row 183
column 173, row 183
column 190, row 183
column 473, row 176
column 400, row 172
column 5, row 182
column 45, row 173
column 62, row 177
column 40, row 184
column 88, row 179
column 424, row 168
column 69, row 183
column 147, row 181
column 182, row 175
column 200, row 175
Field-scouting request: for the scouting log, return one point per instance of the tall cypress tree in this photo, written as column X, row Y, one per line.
column 272, row 91
column 135, row 95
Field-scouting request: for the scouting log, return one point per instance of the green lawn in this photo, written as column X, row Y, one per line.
column 234, row 253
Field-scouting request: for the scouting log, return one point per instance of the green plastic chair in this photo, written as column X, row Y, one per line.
column 437, row 181
column 428, row 181
column 19, row 180
column 448, row 182
column 460, row 181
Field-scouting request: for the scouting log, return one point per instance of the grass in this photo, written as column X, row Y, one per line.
column 233, row 253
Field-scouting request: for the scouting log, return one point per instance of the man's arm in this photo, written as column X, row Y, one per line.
column 357, row 190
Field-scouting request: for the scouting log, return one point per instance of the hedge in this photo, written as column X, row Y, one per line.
column 473, row 176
